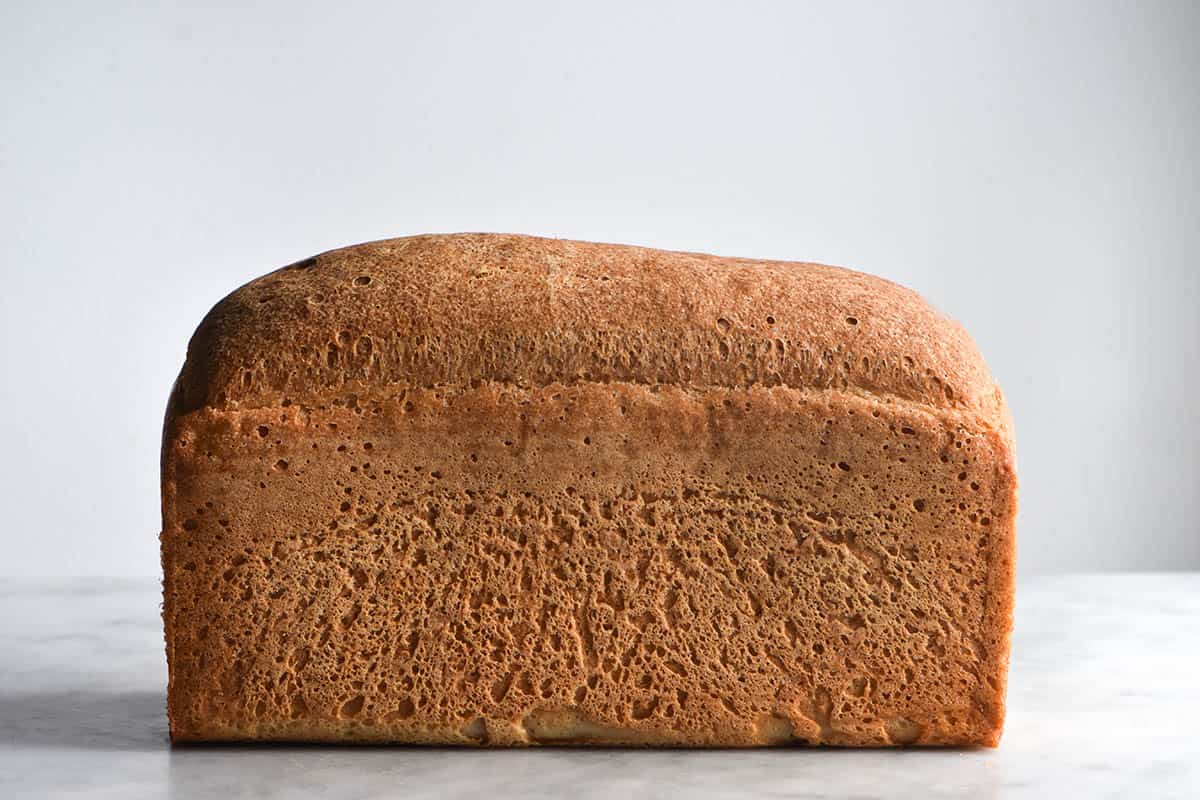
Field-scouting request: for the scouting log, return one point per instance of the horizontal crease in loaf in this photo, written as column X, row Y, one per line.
column 968, row 421
column 254, row 382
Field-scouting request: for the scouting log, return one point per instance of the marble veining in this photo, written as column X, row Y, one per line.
column 1103, row 698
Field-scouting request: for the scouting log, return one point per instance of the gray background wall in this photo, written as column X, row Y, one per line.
column 1031, row 168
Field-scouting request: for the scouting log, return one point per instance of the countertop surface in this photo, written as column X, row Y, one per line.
column 1104, row 696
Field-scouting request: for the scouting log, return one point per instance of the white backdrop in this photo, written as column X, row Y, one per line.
column 1031, row 168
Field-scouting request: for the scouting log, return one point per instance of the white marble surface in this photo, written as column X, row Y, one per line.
column 1103, row 702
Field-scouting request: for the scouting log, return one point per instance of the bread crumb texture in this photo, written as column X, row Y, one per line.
column 500, row 490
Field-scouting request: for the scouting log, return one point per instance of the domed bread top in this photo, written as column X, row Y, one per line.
column 459, row 309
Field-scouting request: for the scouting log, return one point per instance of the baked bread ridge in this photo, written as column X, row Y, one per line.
column 273, row 512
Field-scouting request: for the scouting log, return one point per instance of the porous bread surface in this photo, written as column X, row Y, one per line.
column 506, row 490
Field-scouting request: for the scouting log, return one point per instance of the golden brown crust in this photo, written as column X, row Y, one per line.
column 454, row 310
column 517, row 516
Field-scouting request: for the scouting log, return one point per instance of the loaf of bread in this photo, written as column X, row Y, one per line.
column 503, row 490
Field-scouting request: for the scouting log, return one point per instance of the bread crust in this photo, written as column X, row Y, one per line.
column 497, row 489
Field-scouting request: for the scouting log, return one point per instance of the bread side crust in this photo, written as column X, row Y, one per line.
column 736, row 433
